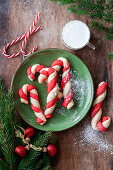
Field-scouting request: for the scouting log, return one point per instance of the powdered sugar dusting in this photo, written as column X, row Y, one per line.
column 89, row 137
column 44, row 5
column 78, row 86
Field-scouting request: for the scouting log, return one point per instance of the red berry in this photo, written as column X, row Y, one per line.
column 29, row 132
column 20, row 151
column 51, row 150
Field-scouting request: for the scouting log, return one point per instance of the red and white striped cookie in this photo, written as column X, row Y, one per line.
column 44, row 76
column 96, row 112
column 66, row 82
column 31, row 71
column 34, row 101
column 52, row 92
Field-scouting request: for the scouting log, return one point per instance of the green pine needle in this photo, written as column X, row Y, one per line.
column 3, row 165
column 108, row 16
column 76, row 11
column 47, row 161
column 63, row 2
column 98, row 26
column 6, row 126
column 110, row 56
column 109, row 36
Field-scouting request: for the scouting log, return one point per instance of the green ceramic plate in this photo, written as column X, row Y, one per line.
column 82, row 87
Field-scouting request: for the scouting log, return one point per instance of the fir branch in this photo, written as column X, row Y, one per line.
column 32, row 156
column 8, row 120
column 36, row 165
column 108, row 16
column 90, row 6
column 47, row 167
column 101, row 27
column 3, row 165
column 44, row 162
column 98, row 26
column 43, row 140
column 63, row 2
column 47, row 162
column 109, row 3
column 6, row 127
column 76, row 11
column 3, row 138
column 110, row 56
column 109, row 36
column 110, row 29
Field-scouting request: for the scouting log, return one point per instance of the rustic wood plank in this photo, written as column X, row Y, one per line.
column 79, row 148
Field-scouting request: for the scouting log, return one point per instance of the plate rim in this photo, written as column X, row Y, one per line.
column 92, row 87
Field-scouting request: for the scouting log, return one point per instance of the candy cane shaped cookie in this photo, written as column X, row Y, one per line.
column 96, row 112
column 52, row 92
column 34, row 101
column 31, row 71
column 34, row 69
column 44, row 76
column 66, row 82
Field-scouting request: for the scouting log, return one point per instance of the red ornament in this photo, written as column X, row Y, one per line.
column 20, row 151
column 29, row 132
column 51, row 150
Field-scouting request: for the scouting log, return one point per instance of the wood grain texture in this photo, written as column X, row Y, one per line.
column 79, row 148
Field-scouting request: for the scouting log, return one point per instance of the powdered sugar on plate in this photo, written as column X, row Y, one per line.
column 78, row 87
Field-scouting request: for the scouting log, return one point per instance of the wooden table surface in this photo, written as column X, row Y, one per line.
column 79, row 147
